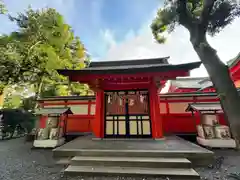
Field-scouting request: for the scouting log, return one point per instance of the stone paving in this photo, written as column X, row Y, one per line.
column 19, row 162
column 170, row 143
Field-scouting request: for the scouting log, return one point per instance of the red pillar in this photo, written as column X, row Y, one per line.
column 98, row 125
column 156, row 120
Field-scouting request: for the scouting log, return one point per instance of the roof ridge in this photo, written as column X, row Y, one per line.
column 142, row 59
column 189, row 78
column 162, row 60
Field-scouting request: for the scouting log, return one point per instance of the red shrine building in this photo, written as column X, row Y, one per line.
column 127, row 95
column 129, row 103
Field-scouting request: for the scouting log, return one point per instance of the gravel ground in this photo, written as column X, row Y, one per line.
column 226, row 162
column 19, row 162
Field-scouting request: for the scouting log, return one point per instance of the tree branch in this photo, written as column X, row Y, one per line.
column 33, row 46
column 207, row 8
column 185, row 18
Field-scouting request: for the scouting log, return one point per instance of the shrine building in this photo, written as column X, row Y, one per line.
column 127, row 94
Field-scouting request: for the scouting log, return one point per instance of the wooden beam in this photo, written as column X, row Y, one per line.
column 109, row 77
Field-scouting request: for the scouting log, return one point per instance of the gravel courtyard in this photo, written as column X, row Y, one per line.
column 19, row 162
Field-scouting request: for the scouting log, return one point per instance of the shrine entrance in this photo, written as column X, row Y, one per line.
column 127, row 94
column 127, row 114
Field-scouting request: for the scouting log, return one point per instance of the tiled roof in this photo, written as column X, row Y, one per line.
column 133, row 66
column 133, row 62
column 206, row 84
column 59, row 98
column 187, row 82
column 56, row 111
column 204, row 107
column 190, row 94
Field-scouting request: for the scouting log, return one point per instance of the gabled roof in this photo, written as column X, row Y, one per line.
column 135, row 62
column 188, row 82
column 53, row 111
column 204, row 107
column 131, row 67
column 204, row 80
column 59, row 98
column 207, row 84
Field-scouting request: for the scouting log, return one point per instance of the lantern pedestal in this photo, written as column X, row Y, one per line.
column 48, row 143
column 217, row 143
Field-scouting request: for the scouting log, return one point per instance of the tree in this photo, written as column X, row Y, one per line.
column 14, row 118
column 12, row 101
column 9, row 63
column 3, row 9
column 28, row 103
column 42, row 44
column 200, row 17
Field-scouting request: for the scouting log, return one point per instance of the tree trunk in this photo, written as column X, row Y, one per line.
column 226, row 90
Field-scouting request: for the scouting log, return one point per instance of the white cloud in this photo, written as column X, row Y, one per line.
column 108, row 37
column 141, row 44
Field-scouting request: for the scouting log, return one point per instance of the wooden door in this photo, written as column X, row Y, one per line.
column 127, row 114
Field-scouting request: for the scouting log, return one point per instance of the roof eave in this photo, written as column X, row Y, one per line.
column 86, row 71
column 57, row 98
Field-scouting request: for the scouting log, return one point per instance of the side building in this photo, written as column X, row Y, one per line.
column 204, row 84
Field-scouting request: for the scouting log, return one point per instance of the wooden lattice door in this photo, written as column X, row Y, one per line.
column 127, row 114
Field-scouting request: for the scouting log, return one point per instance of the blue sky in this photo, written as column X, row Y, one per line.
column 119, row 30
column 94, row 21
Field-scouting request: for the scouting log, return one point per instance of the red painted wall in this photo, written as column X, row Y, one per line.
column 185, row 90
column 75, row 123
column 174, row 121
column 182, row 122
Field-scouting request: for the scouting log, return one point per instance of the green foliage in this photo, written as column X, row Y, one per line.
column 17, row 117
column 48, row 91
column 12, row 102
column 65, row 89
column 10, row 61
column 46, row 43
column 3, row 9
column 206, row 16
column 15, row 94
column 79, row 89
column 42, row 44
column 28, row 103
column 2, row 86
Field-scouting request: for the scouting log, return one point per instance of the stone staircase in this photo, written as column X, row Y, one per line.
column 140, row 163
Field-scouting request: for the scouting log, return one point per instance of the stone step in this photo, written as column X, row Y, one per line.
column 63, row 161
column 127, row 153
column 131, row 162
column 172, row 173
column 198, row 158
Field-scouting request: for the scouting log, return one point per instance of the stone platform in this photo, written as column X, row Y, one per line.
column 168, row 157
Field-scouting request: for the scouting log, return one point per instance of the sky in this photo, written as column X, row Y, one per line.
column 119, row 30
